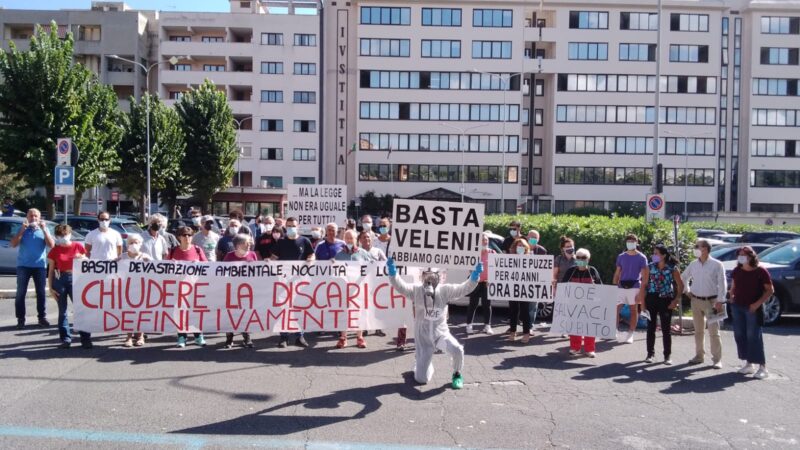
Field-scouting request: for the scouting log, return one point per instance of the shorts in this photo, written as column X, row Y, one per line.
column 627, row 296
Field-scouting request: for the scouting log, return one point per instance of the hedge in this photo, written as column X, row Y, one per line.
column 603, row 236
column 739, row 228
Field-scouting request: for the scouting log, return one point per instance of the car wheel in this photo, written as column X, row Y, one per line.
column 545, row 312
column 772, row 310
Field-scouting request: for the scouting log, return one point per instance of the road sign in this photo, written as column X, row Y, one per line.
column 656, row 207
column 114, row 196
column 63, row 151
column 64, row 180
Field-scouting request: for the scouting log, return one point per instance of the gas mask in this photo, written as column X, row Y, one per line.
column 430, row 279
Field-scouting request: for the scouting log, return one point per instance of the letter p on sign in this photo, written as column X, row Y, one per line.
column 64, row 178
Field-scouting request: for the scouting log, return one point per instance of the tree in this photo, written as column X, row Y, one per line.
column 11, row 185
column 44, row 96
column 211, row 152
column 167, row 150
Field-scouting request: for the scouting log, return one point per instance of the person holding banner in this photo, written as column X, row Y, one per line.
column 384, row 236
column 59, row 277
column 513, row 234
column 316, row 236
column 431, row 332
column 206, row 238
column 563, row 261
column 331, row 246
column 293, row 247
column 480, row 293
column 582, row 273
column 242, row 253
column 662, row 288
column 104, row 244
column 628, row 276
column 536, row 249
column 351, row 252
column 134, row 252
column 519, row 310
column 371, row 253
column 225, row 243
column 153, row 243
column 188, row 252
column 265, row 246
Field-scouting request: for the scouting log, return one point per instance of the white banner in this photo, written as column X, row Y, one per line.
column 436, row 234
column 526, row 278
column 170, row 296
column 317, row 205
column 583, row 309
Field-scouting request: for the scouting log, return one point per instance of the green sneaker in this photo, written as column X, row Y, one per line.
column 458, row 381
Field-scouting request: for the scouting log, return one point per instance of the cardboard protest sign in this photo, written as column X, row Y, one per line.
column 436, row 234
column 170, row 296
column 585, row 310
column 317, row 205
column 526, row 278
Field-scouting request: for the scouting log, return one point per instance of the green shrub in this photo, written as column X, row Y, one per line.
column 603, row 236
column 739, row 228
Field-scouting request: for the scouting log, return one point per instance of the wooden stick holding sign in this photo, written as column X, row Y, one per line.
column 585, row 310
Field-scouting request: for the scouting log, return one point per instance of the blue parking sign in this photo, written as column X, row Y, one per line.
column 64, row 178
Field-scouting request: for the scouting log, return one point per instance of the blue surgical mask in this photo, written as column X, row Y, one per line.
column 520, row 250
column 581, row 263
column 383, row 230
column 656, row 258
column 533, row 241
column 349, row 246
column 291, row 232
column 513, row 233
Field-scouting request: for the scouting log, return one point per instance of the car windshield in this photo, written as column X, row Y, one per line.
column 783, row 254
column 131, row 227
column 719, row 253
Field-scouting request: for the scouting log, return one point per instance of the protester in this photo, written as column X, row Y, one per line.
column 265, row 246
column 104, row 244
column 384, row 235
column 241, row 253
column 582, row 272
column 134, row 251
column 328, row 249
column 350, row 224
column 154, row 243
column 366, row 223
column 59, row 277
column 8, row 207
column 225, row 243
column 631, row 265
column 316, row 236
column 751, row 287
column 33, row 240
column 365, row 239
column 536, row 249
column 191, row 253
column 662, row 288
column 351, row 252
column 239, row 217
column 207, row 238
column 705, row 283
column 171, row 240
column 197, row 219
column 513, row 234
column 480, row 293
column 257, row 227
column 431, row 333
column 565, row 259
column 519, row 310
column 293, row 247
column 279, row 223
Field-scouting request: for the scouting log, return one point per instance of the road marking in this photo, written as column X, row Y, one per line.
column 192, row 441
column 14, row 291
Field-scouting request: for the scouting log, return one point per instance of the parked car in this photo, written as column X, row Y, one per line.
column 727, row 252
column 714, row 242
column 707, row 233
column 9, row 227
column 783, row 264
column 85, row 224
column 174, row 224
column 727, row 237
column 768, row 237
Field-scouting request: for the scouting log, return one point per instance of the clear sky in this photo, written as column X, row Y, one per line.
column 162, row 5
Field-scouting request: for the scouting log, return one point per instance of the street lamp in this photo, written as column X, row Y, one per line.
column 685, row 164
column 241, row 153
column 173, row 60
column 462, row 132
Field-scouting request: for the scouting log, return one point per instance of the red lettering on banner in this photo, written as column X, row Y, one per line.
column 151, row 285
column 199, row 296
column 128, row 293
column 299, row 294
column 291, row 318
column 278, row 318
column 287, row 290
column 353, row 292
column 352, row 319
column 320, row 323
column 126, row 323
column 183, row 294
column 334, row 293
column 106, row 316
column 235, row 324
column 106, row 293
column 144, row 317
column 84, row 300
column 254, row 318
column 167, row 294
column 336, row 313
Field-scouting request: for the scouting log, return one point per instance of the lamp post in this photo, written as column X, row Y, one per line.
column 685, row 165
column 657, row 119
column 173, row 60
column 241, row 153
column 462, row 132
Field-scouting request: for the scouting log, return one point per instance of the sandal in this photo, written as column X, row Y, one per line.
column 128, row 342
column 139, row 342
column 361, row 343
column 342, row 342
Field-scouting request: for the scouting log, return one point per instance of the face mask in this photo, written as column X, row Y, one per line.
column 513, row 233
column 291, row 232
column 196, row 221
column 232, row 230
column 697, row 253
column 581, row 263
column 656, row 258
column 383, row 230
column 241, row 253
column 33, row 226
column 520, row 250
column 533, row 241
column 316, row 235
column 743, row 260
column 630, row 245
column 276, row 236
column 104, row 224
column 349, row 246
column 134, row 248
column 208, row 226
column 65, row 240
column 268, row 227
column 569, row 250
column 367, row 226
column 155, row 227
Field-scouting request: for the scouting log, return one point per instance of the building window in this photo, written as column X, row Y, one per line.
column 305, row 40
column 779, row 56
column 441, row 17
column 212, row 39
column 637, row 52
column 538, row 117
column 491, row 49
column 272, row 154
column 304, row 154
column 305, row 126
column 305, row 69
column 775, row 117
column 771, row 207
column 565, row 206
column 272, row 182
column 596, row 51
column 688, row 85
column 437, row 142
column 538, row 88
column 441, row 49
column 391, row 79
column 271, row 38
column 272, row 96
column 537, row 147
column 776, row 86
column 635, row 176
column 685, row 146
column 182, row 67
column 638, row 21
column 385, row 47
column 688, row 53
column 272, row 68
column 305, row 97
column 775, row 148
column 271, row 125
column 688, row 115
column 304, row 180
column 588, row 20
column 606, row 83
column 180, row 39
column 688, row 177
column 497, row 18
column 688, row 22
column 623, row 145
column 213, row 68
column 537, row 176
column 775, row 178
column 371, row 15
column 439, row 111
column 604, row 114
column 780, row 25
column 176, row 95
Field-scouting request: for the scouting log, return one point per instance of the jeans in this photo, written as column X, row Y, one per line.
column 285, row 335
column 24, row 274
column 659, row 311
column 63, row 285
column 519, row 311
column 747, row 334
column 479, row 295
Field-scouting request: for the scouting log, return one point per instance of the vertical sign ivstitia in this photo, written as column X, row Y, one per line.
column 342, row 17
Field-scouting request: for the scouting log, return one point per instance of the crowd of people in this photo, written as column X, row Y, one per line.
column 650, row 286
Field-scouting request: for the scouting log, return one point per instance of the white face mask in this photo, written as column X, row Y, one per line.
column 241, row 253
column 104, row 224
column 268, row 227
column 349, row 246
column 520, row 250
column 276, row 236
column 63, row 240
column 743, row 260
column 232, row 230
column 367, row 226
column 33, row 226
column 630, row 245
column 196, row 221
column 134, row 248
column 697, row 253
column 316, row 234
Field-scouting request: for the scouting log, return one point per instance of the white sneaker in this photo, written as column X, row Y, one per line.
column 645, row 315
column 591, row 354
column 762, row 373
column 748, row 369
column 574, row 352
column 650, row 359
column 469, row 329
column 488, row 330
column 717, row 365
column 630, row 338
column 667, row 362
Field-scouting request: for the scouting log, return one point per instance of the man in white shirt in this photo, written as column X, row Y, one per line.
column 153, row 243
column 104, row 244
column 706, row 285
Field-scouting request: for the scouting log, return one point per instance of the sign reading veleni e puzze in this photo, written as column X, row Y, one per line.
column 437, row 234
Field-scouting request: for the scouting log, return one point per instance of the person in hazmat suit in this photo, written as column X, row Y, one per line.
column 430, row 298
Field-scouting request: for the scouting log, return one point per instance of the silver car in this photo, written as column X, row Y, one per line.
column 9, row 227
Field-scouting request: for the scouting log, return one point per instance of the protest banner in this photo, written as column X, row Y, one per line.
column 436, row 234
column 585, row 310
column 317, row 205
column 170, row 296
column 525, row 278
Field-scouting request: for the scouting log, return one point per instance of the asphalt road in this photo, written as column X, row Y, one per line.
column 515, row 396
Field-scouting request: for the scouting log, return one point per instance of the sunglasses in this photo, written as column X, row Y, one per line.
column 184, row 235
